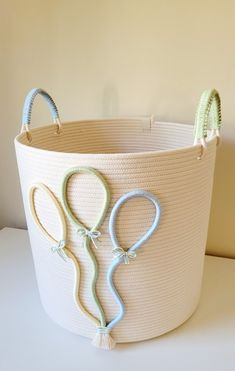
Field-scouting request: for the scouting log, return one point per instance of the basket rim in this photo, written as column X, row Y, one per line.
column 194, row 147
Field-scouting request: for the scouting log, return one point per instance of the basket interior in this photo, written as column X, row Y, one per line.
column 111, row 136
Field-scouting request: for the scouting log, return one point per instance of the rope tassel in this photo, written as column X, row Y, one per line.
column 103, row 339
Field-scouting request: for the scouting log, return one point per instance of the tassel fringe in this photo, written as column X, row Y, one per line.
column 103, row 339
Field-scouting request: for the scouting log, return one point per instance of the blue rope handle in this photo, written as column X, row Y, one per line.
column 121, row 255
column 28, row 105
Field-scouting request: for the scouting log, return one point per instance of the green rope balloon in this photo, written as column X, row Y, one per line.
column 89, row 235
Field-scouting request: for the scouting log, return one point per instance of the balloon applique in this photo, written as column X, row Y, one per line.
column 121, row 256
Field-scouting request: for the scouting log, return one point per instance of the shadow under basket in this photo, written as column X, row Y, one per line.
column 160, row 288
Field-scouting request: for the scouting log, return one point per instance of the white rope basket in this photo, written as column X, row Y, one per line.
column 161, row 287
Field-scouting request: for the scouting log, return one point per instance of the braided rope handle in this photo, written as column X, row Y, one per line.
column 27, row 110
column 208, row 117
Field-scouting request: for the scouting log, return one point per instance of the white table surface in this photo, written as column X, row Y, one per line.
column 29, row 340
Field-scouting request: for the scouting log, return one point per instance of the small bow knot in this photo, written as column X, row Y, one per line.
column 59, row 249
column 119, row 252
column 92, row 234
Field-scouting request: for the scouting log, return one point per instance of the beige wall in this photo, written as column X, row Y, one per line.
column 116, row 57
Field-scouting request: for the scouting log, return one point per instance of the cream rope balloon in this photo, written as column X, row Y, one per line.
column 59, row 246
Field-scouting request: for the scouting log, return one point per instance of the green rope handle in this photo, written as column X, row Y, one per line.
column 208, row 115
column 89, row 234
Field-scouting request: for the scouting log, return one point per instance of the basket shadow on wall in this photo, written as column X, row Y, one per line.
column 221, row 236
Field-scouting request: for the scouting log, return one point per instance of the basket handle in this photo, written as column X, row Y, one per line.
column 208, row 117
column 27, row 110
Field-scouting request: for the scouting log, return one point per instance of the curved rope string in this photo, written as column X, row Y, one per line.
column 124, row 256
column 60, row 245
column 88, row 234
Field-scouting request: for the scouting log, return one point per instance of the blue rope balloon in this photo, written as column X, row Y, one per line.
column 124, row 256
